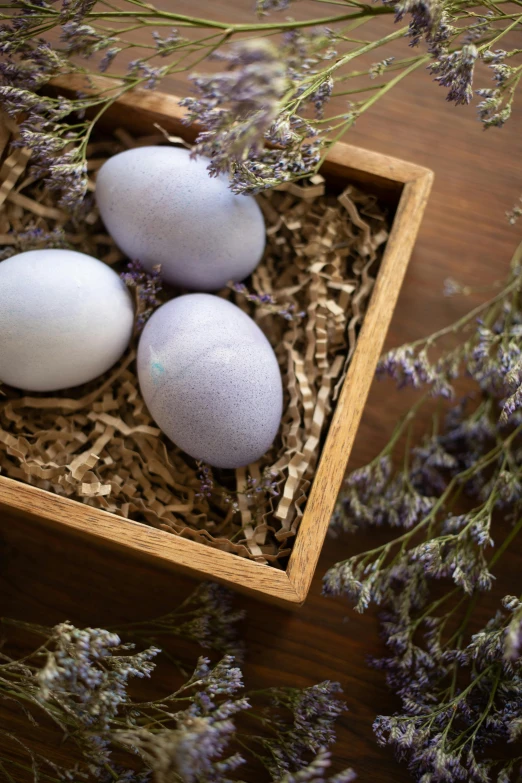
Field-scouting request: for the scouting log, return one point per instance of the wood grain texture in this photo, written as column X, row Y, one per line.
column 120, row 534
column 47, row 577
column 346, row 164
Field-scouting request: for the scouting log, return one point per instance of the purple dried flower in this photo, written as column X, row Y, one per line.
column 377, row 69
column 512, row 404
column 458, row 694
column 76, row 10
column 321, row 96
column 185, row 735
column 34, row 238
column 490, row 109
column 66, row 174
column 206, row 617
column 289, row 312
column 264, row 6
column 455, row 70
column 313, row 712
column 264, row 299
column 148, row 287
column 431, row 465
column 429, row 20
column 502, row 73
column 142, row 70
column 478, row 29
column 242, row 108
column 267, row 485
column 315, row 772
column 442, row 731
column 16, row 100
column 411, row 367
column 496, row 361
column 192, row 752
column 83, row 39
column 223, row 678
column 166, row 46
column 22, row 75
column 513, row 632
column 251, row 88
column 494, row 58
column 108, row 58
column 88, row 670
column 206, row 481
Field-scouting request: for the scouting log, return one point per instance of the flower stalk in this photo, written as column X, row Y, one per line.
column 81, row 680
column 451, row 496
column 268, row 115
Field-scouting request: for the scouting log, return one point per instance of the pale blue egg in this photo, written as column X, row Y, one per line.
column 162, row 207
column 65, row 318
column 211, row 380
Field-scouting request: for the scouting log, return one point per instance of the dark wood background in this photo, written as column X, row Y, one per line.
column 47, row 577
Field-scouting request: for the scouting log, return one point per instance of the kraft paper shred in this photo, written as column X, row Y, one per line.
column 97, row 444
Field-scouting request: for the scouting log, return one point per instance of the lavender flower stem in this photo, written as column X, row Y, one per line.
column 458, row 636
column 190, row 21
column 344, row 126
column 478, row 723
column 369, row 47
column 402, row 425
column 506, row 542
column 354, row 92
column 471, row 315
column 486, row 460
column 106, row 105
column 501, row 35
column 114, row 775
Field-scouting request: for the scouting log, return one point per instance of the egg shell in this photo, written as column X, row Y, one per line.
column 65, row 318
column 162, row 207
column 211, row 380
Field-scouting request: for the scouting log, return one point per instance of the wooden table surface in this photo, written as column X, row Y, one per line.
column 47, row 577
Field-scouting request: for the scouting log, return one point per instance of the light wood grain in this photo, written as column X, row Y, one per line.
column 109, row 529
column 408, row 186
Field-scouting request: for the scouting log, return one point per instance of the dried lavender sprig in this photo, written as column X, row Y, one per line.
column 206, row 481
column 206, row 617
column 79, row 678
column 261, row 96
column 410, row 365
column 147, row 286
column 289, row 311
column 514, row 214
column 459, row 693
column 444, row 730
column 256, row 491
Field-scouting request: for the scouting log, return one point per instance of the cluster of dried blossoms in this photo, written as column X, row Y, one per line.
column 79, row 680
column 275, row 84
column 449, row 497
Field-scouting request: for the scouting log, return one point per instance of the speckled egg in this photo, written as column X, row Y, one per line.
column 211, row 380
column 65, row 318
column 162, row 207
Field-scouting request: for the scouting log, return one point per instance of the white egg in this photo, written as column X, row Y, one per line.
column 65, row 318
column 162, row 207
column 211, row 380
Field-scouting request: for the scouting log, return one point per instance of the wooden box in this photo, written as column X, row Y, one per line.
column 405, row 187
